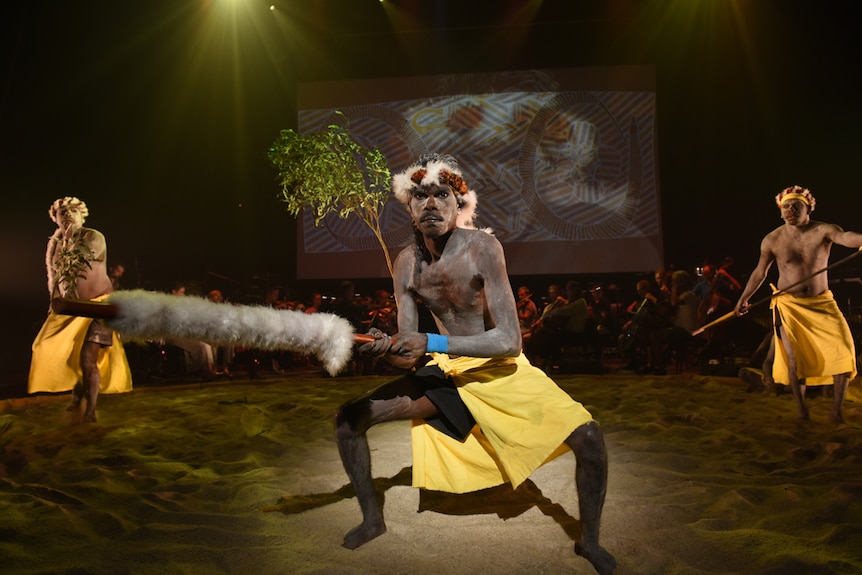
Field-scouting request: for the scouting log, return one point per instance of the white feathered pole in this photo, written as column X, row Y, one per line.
column 142, row 315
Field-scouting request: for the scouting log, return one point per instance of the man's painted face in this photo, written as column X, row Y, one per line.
column 794, row 211
column 69, row 219
column 434, row 209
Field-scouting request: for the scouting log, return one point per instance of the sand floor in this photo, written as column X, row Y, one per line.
column 244, row 477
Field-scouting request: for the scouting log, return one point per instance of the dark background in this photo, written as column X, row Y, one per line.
column 159, row 113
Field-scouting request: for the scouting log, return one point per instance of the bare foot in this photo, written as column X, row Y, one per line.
column 90, row 417
column 601, row 560
column 362, row 534
column 74, row 405
column 836, row 418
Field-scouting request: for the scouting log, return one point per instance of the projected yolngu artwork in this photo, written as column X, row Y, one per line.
column 563, row 161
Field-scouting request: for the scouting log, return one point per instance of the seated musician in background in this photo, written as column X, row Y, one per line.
column 565, row 323
column 528, row 312
column 634, row 339
column 684, row 321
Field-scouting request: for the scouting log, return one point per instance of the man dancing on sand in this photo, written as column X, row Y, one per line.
column 813, row 343
column 69, row 352
column 482, row 414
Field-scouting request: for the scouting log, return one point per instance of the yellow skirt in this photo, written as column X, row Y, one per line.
column 819, row 336
column 522, row 417
column 56, row 362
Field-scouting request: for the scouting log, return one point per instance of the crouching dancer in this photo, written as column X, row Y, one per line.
column 482, row 414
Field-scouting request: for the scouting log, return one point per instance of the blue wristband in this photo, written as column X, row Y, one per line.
column 437, row 343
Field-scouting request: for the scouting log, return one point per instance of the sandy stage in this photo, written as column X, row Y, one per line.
column 244, row 477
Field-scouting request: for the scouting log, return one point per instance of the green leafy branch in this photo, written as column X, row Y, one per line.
column 330, row 172
column 72, row 262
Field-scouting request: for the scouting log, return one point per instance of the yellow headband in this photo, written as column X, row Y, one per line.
column 794, row 196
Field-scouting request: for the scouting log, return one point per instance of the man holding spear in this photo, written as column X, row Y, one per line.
column 813, row 343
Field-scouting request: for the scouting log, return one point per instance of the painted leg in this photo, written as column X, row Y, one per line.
column 796, row 386
column 390, row 402
column 77, row 397
column 356, row 458
column 798, row 389
column 840, row 390
column 92, row 378
column 591, row 478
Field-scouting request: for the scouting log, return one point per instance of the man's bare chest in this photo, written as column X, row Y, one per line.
column 802, row 249
column 453, row 283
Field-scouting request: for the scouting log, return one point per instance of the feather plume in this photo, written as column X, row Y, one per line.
column 144, row 315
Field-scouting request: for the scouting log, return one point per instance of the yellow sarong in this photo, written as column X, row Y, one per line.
column 522, row 418
column 819, row 336
column 55, row 365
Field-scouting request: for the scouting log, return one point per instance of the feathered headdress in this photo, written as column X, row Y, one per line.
column 796, row 193
column 432, row 169
column 68, row 203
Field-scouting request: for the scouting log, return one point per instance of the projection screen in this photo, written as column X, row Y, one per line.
column 564, row 163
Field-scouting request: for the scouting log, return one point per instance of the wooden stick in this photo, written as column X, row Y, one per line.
column 713, row 323
column 84, row 308
column 361, row 338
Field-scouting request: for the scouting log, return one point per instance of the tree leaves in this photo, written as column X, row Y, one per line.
column 329, row 172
